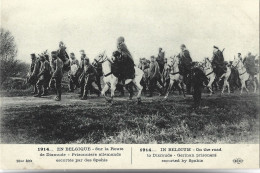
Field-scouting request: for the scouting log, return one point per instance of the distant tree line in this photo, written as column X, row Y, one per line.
column 10, row 66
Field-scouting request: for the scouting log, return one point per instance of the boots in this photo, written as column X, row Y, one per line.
column 34, row 90
column 85, row 95
column 39, row 92
column 58, row 97
column 81, row 91
column 45, row 92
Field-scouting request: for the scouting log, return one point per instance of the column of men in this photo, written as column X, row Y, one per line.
column 46, row 75
column 157, row 70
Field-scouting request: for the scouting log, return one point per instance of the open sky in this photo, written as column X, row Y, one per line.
column 95, row 25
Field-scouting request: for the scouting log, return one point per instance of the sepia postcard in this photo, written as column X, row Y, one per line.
column 129, row 84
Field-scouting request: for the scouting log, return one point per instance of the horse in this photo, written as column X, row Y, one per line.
column 243, row 75
column 226, row 76
column 208, row 70
column 175, row 77
column 110, row 80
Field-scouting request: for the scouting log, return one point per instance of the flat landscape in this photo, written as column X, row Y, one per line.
column 220, row 119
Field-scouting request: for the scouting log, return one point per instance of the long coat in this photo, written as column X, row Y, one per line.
column 45, row 70
column 57, row 66
column 90, row 73
column 154, row 71
column 218, row 59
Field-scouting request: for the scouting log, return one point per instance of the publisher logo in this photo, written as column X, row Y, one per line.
column 238, row 161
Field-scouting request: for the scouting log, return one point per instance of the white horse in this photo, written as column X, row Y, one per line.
column 111, row 80
column 226, row 75
column 243, row 75
column 208, row 70
column 175, row 76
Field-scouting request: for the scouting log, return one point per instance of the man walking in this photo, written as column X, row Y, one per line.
column 89, row 79
column 43, row 77
column 34, row 70
column 73, row 74
column 185, row 66
column 160, row 59
column 57, row 65
column 154, row 76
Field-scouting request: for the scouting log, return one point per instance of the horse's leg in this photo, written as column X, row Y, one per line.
column 228, row 86
column 129, row 88
column 169, row 88
column 210, row 85
column 127, row 81
column 254, row 83
column 113, row 88
column 139, row 88
column 180, row 88
column 224, row 86
column 104, row 90
column 243, row 85
column 183, row 89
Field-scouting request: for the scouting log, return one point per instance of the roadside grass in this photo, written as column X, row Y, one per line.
column 232, row 119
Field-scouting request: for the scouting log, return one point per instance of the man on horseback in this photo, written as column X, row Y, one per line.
column 218, row 62
column 125, row 61
column 185, row 66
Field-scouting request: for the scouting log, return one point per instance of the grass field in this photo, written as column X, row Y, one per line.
column 226, row 119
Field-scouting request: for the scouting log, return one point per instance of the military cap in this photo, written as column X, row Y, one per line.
column 239, row 53
column 215, row 47
column 121, row 39
column 33, row 56
column 72, row 53
column 183, row 45
column 82, row 51
column 54, row 52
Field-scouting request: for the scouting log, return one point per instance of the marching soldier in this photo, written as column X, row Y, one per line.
column 89, row 79
column 154, row 77
column 73, row 78
column 98, row 66
column 185, row 66
column 197, row 80
column 160, row 59
column 81, row 72
column 249, row 63
column 34, row 70
column 43, row 77
column 57, row 73
column 166, row 74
